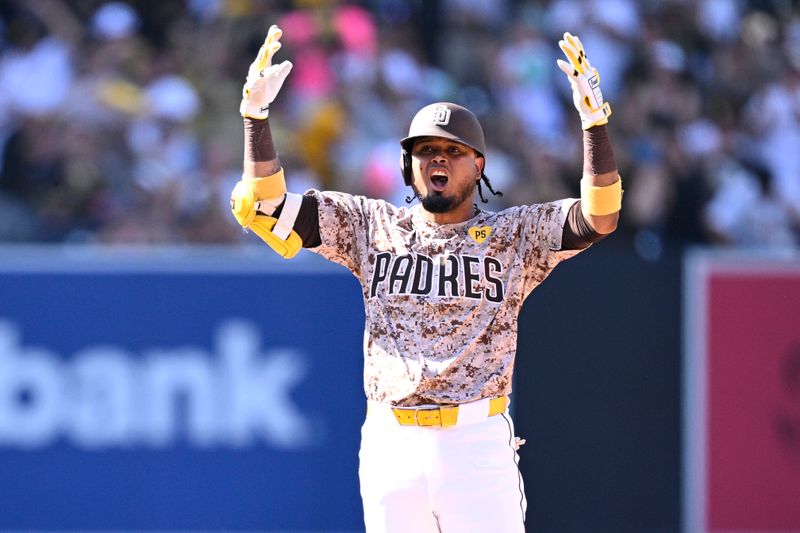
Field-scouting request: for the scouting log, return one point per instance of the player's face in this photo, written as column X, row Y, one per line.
column 445, row 173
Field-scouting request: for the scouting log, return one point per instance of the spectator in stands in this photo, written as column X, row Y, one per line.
column 114, row 126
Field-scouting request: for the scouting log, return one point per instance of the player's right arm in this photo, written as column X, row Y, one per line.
column 260, row 202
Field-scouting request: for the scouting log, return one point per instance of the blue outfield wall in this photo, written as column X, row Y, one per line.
column 178, row 390
column 221, row 390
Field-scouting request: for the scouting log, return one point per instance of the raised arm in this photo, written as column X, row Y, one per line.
column 601, row 186
column 264, row 80
column 260, row 201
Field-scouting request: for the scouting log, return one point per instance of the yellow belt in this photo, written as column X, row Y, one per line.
column 444, row 416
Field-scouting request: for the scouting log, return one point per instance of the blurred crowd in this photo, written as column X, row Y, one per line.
column 119, row 120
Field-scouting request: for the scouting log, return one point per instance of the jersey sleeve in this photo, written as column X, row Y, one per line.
column 541, row 231
column 343, row 228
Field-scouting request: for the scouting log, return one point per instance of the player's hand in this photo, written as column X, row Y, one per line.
column 585, row 82
column 264, row 79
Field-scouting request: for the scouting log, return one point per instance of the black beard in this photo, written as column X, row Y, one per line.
column 439, row 203
column 436, row 203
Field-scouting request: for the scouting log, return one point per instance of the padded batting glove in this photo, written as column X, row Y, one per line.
column 264, row 79
column 585, row 82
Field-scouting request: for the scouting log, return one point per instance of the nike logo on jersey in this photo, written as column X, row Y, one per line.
column 451, row 275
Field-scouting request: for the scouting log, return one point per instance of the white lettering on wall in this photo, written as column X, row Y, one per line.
column 104, row 396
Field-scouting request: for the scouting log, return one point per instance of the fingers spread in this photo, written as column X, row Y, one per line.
column 567, row 68
column 580, row 45
column 269, row 48
column 265, row 55
column 272, row 49
column 572, row 54
column 284, row 68
column 576, row 47
column 274, row 34
column 261, row 58
column 280, row 71
column 574, row 42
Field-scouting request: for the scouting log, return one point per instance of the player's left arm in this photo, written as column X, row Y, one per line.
column 601, row 186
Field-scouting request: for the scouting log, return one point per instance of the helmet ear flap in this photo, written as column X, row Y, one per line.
column 405, row 167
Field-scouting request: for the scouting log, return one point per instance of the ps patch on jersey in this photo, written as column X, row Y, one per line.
column 441, row 301
column 480, row 233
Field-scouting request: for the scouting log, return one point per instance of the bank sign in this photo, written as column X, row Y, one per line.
column 178, row 390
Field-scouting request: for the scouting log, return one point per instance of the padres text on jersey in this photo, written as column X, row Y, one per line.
column 444, row 276
column 441, row 301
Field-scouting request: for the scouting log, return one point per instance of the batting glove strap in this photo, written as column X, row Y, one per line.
column 597, row 117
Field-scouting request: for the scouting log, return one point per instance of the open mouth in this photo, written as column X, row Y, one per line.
column 438, row 180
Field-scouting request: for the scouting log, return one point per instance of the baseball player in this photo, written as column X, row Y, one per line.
column 443, row 282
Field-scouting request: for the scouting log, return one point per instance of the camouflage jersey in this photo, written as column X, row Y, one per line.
column 441, row 300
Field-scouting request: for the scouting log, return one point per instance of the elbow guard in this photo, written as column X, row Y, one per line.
column 253, row 196
column 279, row 232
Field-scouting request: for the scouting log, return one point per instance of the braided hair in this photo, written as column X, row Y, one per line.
column 485, row 180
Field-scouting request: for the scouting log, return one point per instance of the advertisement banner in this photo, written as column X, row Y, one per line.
column 742, row 416
column 178, row 389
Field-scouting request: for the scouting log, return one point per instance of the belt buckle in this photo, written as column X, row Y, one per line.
column 427, row 420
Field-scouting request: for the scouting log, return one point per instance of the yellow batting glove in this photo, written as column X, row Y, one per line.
column 585, row 82
column 264, row 79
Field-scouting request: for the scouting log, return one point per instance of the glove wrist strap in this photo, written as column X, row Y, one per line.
column 598, row 117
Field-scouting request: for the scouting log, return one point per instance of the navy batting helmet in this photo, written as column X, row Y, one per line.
column 442, row 119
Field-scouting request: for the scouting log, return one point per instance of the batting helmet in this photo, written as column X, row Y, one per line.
column 442, row 119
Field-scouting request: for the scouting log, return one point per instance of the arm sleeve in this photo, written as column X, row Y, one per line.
column 598, row 155
column 578, row 233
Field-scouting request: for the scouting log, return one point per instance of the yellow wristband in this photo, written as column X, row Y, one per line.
column 269, row 186
column 602, row 200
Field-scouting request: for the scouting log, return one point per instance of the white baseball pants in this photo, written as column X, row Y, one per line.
column 430, row 479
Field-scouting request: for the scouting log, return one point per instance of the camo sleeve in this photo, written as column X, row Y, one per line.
column 343, row 228
column 541, row 231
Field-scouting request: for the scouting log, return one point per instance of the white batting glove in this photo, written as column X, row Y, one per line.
column 585, row 82
column 264, row 79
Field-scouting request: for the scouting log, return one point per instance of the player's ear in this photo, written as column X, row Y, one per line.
column 480, row 165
